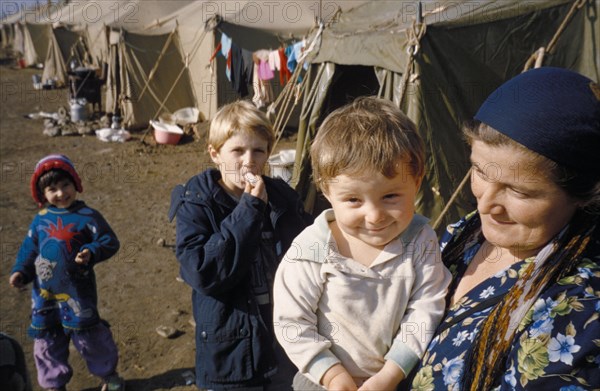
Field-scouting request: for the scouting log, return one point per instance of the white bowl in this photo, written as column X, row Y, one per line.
column 187, row 115
column 166, row 133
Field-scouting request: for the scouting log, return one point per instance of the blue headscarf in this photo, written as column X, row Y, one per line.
column 554, row 112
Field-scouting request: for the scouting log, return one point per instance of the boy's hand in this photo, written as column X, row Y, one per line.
column 83, row 257
column 387, row 378
column 337, row 378
column 256, row 186
column 16, row 280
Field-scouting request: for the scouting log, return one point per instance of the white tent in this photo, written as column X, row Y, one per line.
column 252, row 25
column 139, row 77
column 33, row 31
column 7, row 24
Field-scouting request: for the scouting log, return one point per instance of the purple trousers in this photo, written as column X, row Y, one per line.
column 51, row 355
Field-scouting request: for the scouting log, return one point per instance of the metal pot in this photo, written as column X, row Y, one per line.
column 78, row 110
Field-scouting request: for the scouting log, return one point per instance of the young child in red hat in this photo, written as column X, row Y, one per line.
column 64, row 242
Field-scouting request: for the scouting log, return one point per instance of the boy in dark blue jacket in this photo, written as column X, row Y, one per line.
column 233, row 227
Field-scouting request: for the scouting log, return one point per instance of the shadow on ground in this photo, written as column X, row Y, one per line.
column 165, row 381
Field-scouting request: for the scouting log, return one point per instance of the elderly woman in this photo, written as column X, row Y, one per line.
column 523, row 308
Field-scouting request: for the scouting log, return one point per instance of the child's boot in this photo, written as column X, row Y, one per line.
column 113, row 383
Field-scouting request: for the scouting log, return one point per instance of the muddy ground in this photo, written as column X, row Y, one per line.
column 130, row 184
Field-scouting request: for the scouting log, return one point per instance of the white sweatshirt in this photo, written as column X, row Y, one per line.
column 330, row 309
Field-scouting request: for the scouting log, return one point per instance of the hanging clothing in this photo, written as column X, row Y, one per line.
column 225, row 44
column 274, row 62
column 248, row 64
column 228, row 66
column 261, row 57
column 291, row 58
column 239, row 81
column 217, row 51
column 293, row 52
column 284, row 73
column 263, row 91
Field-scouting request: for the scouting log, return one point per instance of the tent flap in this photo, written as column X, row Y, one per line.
column 144, row 95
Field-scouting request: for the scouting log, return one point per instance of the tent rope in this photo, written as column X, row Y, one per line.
column 187, row 60
column 286, row 96
column 414, row 35
column 142, row 78
column 537, row 58
column 153, row 70
column 299, row 90
column 292, row 90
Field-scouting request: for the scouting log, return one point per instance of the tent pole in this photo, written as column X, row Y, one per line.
column 452, row 199
column 153, row 70
column 162, row 103
column 537, row 57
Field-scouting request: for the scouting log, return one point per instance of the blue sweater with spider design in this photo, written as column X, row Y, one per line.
column 64, row 292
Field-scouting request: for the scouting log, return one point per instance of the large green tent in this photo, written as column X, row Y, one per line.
column 438, row 64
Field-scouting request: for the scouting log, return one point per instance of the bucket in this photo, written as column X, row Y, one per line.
column 37, row 82
column 78, row 110
column 166, row 133
column 116, row 122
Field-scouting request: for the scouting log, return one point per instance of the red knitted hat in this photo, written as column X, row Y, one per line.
column 52, row 162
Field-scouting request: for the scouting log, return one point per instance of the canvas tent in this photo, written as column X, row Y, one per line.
column 36, row 38
column 187, row 29
column 153, row 79
column 142, row 68
column 252, row 25
column 64, row 46
column 32, row 31
column 147, row 75
column 70, row 41
column 12, row 35
column 451, row 61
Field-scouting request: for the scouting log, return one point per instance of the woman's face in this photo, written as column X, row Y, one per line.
column 521, row 208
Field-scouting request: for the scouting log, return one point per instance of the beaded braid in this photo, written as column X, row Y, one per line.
column 498, row 330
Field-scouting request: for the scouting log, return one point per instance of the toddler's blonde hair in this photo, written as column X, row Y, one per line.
column 367, row 135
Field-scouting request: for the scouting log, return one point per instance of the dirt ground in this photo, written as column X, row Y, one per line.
column 130, row 184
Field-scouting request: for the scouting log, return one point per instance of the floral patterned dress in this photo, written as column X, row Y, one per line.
column 557, row 345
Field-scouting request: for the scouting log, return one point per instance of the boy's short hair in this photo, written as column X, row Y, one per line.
column 52, row 177
column 240, row 117
column 369, row 134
